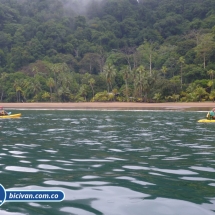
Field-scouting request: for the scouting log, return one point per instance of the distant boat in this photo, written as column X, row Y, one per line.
column 12, row 116
column 207, row 120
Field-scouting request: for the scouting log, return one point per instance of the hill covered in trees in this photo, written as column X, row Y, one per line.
column 105, row 50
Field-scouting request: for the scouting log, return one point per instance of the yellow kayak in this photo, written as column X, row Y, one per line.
column 207, row 120
column 11, row 116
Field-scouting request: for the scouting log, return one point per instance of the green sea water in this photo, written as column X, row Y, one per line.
column 110, row 162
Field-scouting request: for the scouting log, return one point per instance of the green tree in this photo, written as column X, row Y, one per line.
column 181, row 61
column 3, row 77
column 92, row 83
column 148, row 52
column 205, row 47
column 18, row 88
column 200, row 92
column 109, row 72
column 58, row 69
column 139, row 80
column 35, row 87
column 164, row 70
column 126, row 73
column 212, row 95
column 46, row 96
column 175, row 97
column 64, row 93
column 50, row 83
column 83, row 91
column 157, row 97
column 89, row 63
column 211, row 72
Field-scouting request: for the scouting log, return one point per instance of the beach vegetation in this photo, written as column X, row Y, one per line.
column 107, row 50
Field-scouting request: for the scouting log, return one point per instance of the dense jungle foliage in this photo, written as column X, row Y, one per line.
column 107, row 50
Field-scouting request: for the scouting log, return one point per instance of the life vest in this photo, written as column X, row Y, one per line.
column 209, row 115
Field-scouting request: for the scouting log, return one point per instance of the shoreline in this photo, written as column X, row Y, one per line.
column 204, row 106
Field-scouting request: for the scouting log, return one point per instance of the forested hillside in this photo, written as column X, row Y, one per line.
column 107, row 50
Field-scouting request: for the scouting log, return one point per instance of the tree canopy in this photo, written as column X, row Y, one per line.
column 123, row 50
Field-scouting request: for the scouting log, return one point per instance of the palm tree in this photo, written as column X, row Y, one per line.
column 18, row 88
column 148, row 81
column 64, row 93
column 164, row 70
column 92, row 82
column 83, row 91
column 56, row 69
column 35, row 70
column 46, row 96
column 139, row 80
column 26, row 89
column 211, row 73
column 212, row 95
column 200, row 92
column 125, row 72
column 65, row 81
column 181, row 61
column 192, row 87
column 175, row 97
column 35, row 86
column 110, row 72
column 157, row 97
column 50, row 83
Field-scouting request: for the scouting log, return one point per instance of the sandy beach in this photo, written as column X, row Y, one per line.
column 198, row 106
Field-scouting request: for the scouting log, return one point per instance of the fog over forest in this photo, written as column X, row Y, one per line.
column 80, row 7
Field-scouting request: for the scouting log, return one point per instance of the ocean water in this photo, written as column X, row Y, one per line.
column 110, row 162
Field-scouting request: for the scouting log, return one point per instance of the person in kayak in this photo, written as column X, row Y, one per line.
column 3, row 112
column 211, row 114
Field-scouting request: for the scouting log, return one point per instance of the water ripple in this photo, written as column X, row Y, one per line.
column 110, row 162
column 21, row 169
